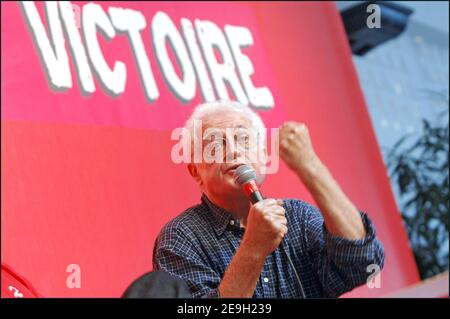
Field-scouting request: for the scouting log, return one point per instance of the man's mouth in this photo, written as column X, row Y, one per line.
column 232, row 168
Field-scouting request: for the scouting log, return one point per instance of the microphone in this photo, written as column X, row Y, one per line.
column 245, row 176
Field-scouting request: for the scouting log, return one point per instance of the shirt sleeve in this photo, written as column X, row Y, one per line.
column 176, row 255
column 341, row 264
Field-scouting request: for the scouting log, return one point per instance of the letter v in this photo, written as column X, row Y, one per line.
column 53, row 57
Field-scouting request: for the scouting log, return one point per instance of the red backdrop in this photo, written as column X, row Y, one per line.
column 84, row 178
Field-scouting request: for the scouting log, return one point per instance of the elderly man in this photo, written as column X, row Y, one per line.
column 227, row 247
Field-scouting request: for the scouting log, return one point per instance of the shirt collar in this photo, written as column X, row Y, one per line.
column 221, row 216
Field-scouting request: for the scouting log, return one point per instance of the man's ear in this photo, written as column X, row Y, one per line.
column 192, row 168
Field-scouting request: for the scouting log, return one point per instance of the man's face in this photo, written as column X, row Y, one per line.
column 216, row 178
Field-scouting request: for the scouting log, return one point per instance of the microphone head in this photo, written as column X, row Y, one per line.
column 244, row 174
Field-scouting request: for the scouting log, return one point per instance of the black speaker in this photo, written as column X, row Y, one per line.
column 393, row 20
column 157, row 284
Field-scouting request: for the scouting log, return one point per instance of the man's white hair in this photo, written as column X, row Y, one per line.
column 204, row 111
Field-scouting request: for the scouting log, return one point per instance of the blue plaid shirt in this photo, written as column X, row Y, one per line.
column 199, row 244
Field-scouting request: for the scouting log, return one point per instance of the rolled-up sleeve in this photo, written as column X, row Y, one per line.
column 342, row 264
column 176, row 255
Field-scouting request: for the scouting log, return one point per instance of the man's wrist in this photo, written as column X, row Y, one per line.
column 242, row 274
column 248, row 251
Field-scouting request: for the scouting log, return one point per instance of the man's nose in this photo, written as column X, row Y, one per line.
column 234, row 153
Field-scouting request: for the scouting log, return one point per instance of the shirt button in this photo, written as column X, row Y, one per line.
column 231, row 222
column 266, row 279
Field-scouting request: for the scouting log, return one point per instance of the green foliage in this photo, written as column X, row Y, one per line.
column 418, row 168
